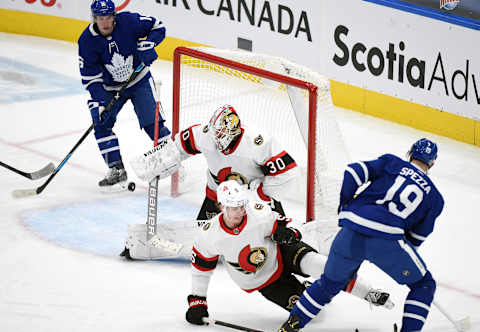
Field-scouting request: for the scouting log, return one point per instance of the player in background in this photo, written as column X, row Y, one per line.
column 110, row 49
column 261, row 252
column 231, row 153
column 384, row 224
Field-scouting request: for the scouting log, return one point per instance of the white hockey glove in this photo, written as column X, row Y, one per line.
column 163, row 160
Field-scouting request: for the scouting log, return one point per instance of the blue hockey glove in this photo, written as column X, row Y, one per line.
column 146, row 52
column 96, row 109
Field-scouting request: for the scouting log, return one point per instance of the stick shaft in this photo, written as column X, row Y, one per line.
column 230, row 325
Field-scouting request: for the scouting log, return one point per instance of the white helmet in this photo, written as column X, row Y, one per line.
column 224, row 126
column 231, row 194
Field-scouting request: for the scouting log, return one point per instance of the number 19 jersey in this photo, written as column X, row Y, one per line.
column 400, row 200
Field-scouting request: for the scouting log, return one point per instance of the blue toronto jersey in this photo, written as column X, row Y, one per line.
column 107, row 62
column 400, row 200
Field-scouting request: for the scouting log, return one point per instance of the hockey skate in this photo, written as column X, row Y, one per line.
column 116, row 180
column 378, row 298
column 291, row 325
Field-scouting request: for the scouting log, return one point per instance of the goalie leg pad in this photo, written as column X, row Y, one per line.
column 137, row 244
column 163, row 160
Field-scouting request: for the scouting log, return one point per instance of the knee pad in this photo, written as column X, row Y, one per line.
column 425, row 286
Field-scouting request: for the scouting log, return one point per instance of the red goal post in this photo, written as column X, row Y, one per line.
column 237, row 67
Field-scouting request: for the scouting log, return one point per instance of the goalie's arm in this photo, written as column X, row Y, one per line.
column 280, row 172
column 166, row 158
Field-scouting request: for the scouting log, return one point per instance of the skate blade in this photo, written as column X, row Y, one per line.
column 116, row 188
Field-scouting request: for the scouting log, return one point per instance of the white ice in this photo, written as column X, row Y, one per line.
column 59, row 264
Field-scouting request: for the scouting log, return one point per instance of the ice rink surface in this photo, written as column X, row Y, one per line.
column 59, row 264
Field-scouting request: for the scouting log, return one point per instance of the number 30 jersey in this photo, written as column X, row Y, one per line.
column 400, row 201
column 248, row 158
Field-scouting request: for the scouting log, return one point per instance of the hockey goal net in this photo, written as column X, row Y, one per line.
column 277, row 97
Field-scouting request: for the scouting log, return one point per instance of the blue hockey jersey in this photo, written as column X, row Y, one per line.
column 400, row 201
column 106, row 62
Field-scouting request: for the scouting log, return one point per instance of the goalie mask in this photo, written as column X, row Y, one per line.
column 224, row 126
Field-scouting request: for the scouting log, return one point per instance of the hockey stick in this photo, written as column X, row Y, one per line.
column 461, row 325
column 33, row 175
column 20, row 193
column 152, row 238
column 230, row 325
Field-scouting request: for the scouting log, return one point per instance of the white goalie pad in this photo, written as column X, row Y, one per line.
column 173, row 240
column 319, row 234
column 163, row 160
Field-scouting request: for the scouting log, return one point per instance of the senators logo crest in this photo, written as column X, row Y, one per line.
column 250, row 260
column 231, row 121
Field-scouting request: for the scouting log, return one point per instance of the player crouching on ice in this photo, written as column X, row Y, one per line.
column 260, row 252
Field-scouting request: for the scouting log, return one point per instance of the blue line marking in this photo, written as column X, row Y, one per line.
column 100, row 227
column 429, row 12
column 23, row 82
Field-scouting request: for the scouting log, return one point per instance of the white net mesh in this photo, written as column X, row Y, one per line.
column 278, row 109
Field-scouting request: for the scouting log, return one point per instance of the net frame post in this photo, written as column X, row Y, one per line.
column 312, row 112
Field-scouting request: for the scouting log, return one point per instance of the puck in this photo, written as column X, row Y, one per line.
column 131, row 186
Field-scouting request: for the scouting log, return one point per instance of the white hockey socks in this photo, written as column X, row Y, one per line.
column 313, row 264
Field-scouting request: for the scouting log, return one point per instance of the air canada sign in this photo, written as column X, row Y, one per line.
column 277, row 17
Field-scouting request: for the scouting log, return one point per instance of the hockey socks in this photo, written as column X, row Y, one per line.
column 417, row 304
column 314, row 298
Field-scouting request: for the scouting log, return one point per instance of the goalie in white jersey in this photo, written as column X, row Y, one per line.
column 260, row 253
column 231, row 153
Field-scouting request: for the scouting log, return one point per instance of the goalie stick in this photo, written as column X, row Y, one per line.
column 152, row 239
column 48, row 169
column 230, row 325
column 20, row 193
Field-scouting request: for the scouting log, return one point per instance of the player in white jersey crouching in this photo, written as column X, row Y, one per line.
column 260, row 252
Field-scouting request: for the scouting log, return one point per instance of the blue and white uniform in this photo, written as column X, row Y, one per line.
column 384, row 224
column 107, row 62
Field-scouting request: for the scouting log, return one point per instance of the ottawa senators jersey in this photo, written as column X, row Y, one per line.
column 251, row 258
column 250, row 157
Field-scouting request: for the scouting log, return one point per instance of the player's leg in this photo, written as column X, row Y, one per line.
column 401, row 262
column 109, row 147
column 285, row 291
column 313, row 264
column 144, row 100
column 343, row 261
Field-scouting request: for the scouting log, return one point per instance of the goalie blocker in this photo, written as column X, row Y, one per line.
column 163, row 160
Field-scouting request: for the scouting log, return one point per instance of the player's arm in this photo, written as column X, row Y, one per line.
column 421, row 230
column 279, row 169
column 359, row 174
column 282, row 232
column 91, row 70
column 166, row 158
column 154, row 33
column 187, row 141
column 203, row 265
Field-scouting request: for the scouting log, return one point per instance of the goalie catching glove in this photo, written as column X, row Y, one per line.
column 163, row 160
column 197, row 309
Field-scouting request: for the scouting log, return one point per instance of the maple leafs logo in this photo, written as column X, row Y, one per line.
column 121, row 68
